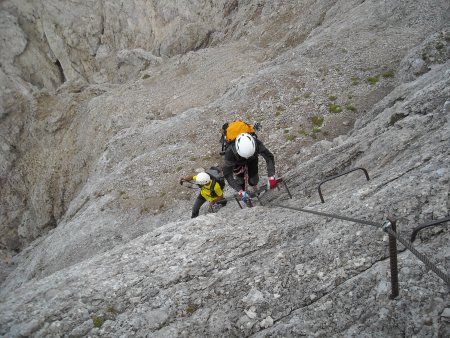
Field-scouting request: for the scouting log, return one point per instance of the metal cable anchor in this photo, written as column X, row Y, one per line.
column 386, row 226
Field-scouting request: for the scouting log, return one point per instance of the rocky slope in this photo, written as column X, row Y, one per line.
column 101, row 114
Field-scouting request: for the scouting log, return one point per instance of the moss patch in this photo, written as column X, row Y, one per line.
column 372, row 80
column 334, row 108
column 280, row 109
column 303, row 132
column 191, row 308
column 290, row 137
column 97, row 321
column 350, row 107
column 317, row 121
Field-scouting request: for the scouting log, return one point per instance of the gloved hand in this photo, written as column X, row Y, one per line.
column 182, row 179
column 216, row 207
column 272, row 182
column 243, row 195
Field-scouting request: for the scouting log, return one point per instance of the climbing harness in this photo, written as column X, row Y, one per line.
column 252, row 193
column 243, row 171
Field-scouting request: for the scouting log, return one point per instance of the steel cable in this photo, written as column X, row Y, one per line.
column 345, row 218
column 421, row 257
column 407, row 244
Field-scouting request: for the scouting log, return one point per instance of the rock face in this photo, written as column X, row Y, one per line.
column 105, row 104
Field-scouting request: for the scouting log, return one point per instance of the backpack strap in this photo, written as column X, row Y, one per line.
column 212, row 175
column 213, row 185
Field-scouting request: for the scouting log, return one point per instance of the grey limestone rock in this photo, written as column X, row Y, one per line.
column 104, row 105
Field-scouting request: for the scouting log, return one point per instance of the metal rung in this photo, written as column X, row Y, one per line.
column 426, row 225
column 339, row 175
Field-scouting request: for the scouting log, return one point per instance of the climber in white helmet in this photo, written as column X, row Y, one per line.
column 242, row 155
column 210, row 190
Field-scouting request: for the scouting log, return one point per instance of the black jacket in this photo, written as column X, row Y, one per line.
column 232, row 160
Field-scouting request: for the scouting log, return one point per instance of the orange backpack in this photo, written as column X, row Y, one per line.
column 232, row 130
column 237, row 127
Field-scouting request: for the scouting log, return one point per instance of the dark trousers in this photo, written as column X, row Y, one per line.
column 253, row 177
column 199, row 202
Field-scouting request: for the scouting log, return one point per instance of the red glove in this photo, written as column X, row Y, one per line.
column 272, row 183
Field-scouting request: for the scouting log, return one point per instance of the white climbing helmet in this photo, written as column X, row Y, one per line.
column 245, row 145
column 202, row 178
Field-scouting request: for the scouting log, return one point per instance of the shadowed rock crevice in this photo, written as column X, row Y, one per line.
column 62, row 78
